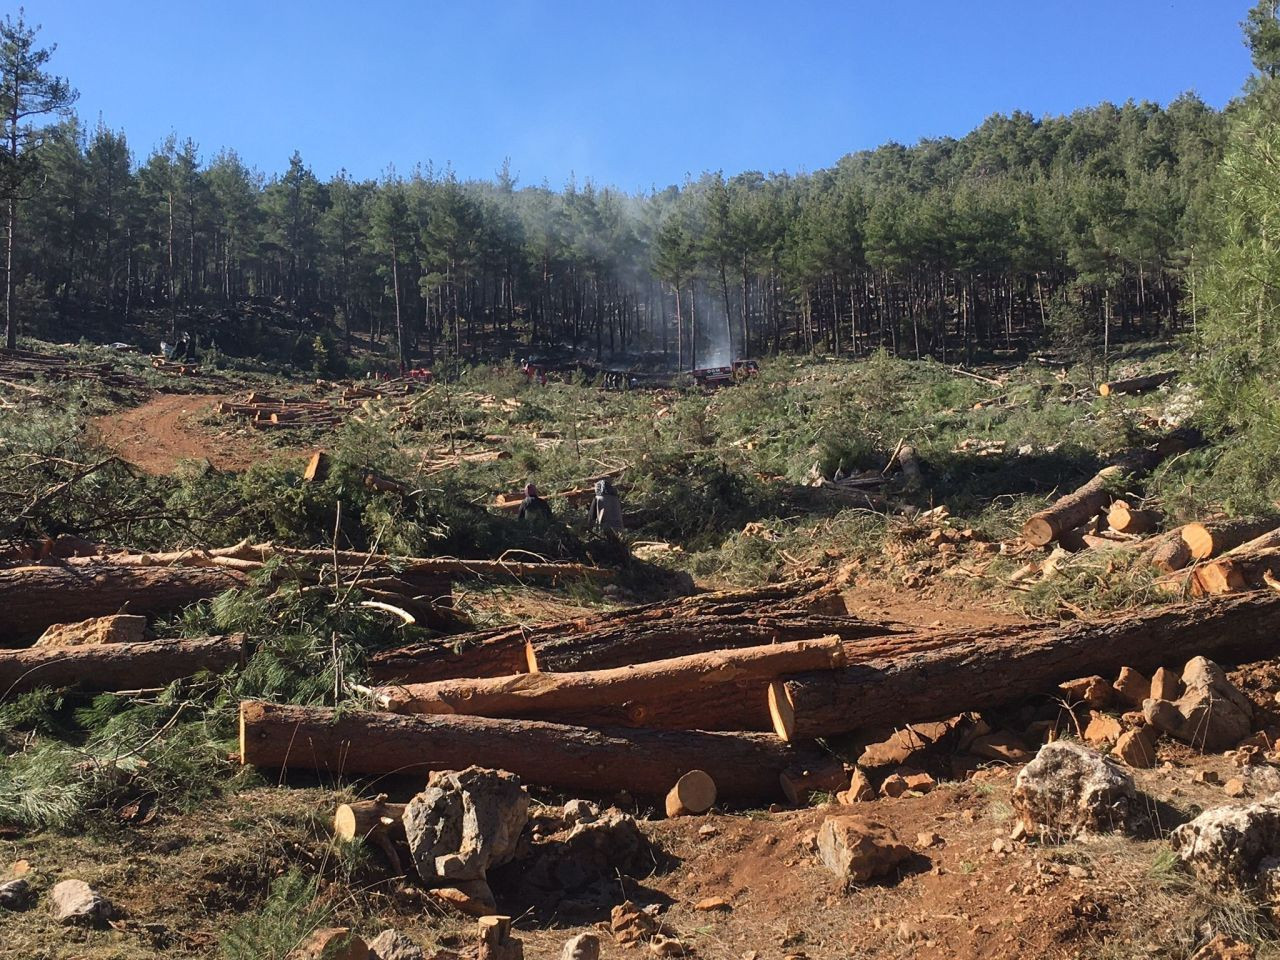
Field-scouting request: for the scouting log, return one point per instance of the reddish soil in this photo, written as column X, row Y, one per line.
column 164, row 431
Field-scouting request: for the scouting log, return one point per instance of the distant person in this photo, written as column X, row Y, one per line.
column 606, row 508
column 533, row 507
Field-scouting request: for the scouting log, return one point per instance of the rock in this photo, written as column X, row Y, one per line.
column 585, row 946
column 1235, row 787
column 1000, row 745
column 1093, row 691
column 332, row 943
column 1227, row 846
column 903, row 745
column 1137, row 748
column 860, row 789
column 919, row 782
column 1206, row 776
column 74, row 901
column 580, row 811
column 465, row 822
column 1132, row 687
column 708, row 904
column 472, row 897
column 1165, row 685
column 661, row 946
column 928, row 839
column 707, row 831
column 858, row 849
column 902, row 782
column 394, row 945
column 894, row 785
column 16, row 895
column 584, row 869
column 1069, row 790
column 1211, row 714
column 118, row 628
column 1223, row 947
column 1102, row 730
column 629, row 924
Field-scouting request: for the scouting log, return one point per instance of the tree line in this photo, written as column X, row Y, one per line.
column 1088, row 225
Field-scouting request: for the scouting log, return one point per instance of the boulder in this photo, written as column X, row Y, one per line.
column 858, row 849
column 1165, row 685
column 580, row 811
column 465, row 822
column 1102, row 729
column 472, row 897
column 1137, row 747
column 118, row 628
column 74, row 901
column 394, row 945
column 1094, row 691
column 1069, row 790
column 1211, row 715
column 1229, row 846
column 585, row 946
column 859, row 790
column 16, row 894
column 1132, row 687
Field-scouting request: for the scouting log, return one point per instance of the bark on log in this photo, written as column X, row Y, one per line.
column 1136, row 384
column 594, row 762
column 1239, row 569
column 1170, row 553
column 1217, row 537
column 117, row 666
column 33, row 598
column 1124, row 518
column 685, row 693
column 364, row 819
column 992, row 669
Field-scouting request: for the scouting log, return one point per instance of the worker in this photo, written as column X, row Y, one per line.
column 533, row 508
column 606, row 508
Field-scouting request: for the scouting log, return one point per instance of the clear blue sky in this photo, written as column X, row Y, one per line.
column 632, row 94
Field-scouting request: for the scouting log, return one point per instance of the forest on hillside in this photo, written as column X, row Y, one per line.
column 1082, row 228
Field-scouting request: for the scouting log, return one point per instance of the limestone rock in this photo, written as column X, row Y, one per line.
column 1132, row 687
column 585, row 946
column 1211, row 714
column 119, row 628
column 74, row 901
column 394, row 945
column 1228, row 845
column 1069, row 790
column 858, row 849
column 465, row 822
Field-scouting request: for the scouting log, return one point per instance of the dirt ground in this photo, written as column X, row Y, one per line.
column 166, row 430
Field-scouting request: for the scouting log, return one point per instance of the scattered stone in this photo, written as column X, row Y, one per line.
column 1069, row 790
column 1206, row 776
column 1132, row 687
column 661, row 946
column 394, row 945
column 1077, row 872
column 1211, row 715
column 1102, row 729
column 465, row 822
column 1001, row 745
column 332, row 943
column 580, row 811
column 74, row 901
column 928, row 839
column 1137, row 748
column 919, row 782
column 1235, row 787
column 1094, row 691
column 1223, row 947
column 16, row 895
column 472, row 897
column 713, row 903
column 858, row 849
column 118, row 628
column 860, row 789
column 1165, row 685
column 629, row 924
column 894, row 785
column 1228, row 845
column 707, row 831
column 585, row 946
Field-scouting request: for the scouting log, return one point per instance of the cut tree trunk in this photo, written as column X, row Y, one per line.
column 34, row 598
column 1124, row 518
column 1136, row 384
column 644, row 763
column 694, row 794
column 117, row 666
column 722, row 690
column 1170, row 553
column 364, row 819
column 1216, row 537
column 1241, row 568
column 998, row 667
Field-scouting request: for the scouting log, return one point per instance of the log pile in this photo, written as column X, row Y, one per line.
column 30, row 365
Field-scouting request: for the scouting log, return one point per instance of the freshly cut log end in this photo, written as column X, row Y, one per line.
column 1136, row 384
column 694, row 794
column 1124, row 518
column 1207, row 540
column 1039, row 531
column 782, row 710
column 366, row 818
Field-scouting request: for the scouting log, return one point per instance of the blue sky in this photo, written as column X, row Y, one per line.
column 634, row 95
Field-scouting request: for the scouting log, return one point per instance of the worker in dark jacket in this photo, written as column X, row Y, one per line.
column 533, row 507
column 606, row 508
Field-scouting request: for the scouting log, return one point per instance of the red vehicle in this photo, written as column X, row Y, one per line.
column 713, row 376
column 420, row 373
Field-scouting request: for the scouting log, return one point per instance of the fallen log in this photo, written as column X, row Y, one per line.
column 34, row 598
column 1170, row 553
column 1216, row 537
column 1125, row 518
column 645, row 763
column 1136, row 384
column 984, row 670
column 117, row 666
column 363, row 819
column 1242, row 568
column 721, row 690
column 694, row 794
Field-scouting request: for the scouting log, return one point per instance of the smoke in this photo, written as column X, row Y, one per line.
column 716, row 348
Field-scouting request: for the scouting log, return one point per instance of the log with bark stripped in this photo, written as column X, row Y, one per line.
column 995, row 668
column 722, row 690
column 644, row 763
column 117, row 666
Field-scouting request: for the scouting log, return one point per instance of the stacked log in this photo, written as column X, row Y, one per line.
column 30, row 365
column 117, row 666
